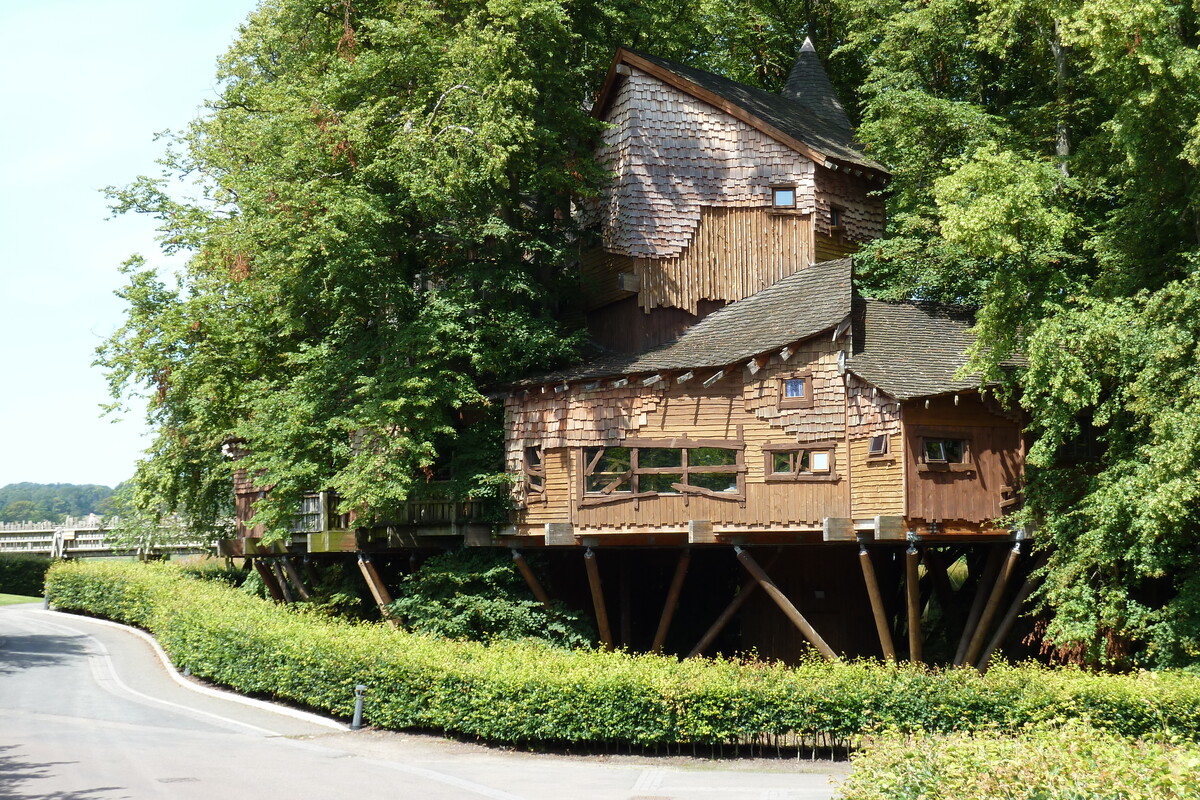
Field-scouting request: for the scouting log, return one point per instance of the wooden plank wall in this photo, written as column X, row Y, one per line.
column 996, row 452
column 877, row 484
column 565, row 422
column 672, row 156
column 735, row 253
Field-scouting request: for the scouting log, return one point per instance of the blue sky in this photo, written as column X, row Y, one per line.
column 85, row 86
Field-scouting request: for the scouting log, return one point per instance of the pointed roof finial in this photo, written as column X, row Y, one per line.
column 808, row 84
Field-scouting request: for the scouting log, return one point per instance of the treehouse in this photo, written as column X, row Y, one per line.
column 745, row 404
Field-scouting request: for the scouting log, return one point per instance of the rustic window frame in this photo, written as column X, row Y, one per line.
column 925, row 465
column 786, row 402
column 534, row 475
column 880, row 455
column 685, row 490
column 771, row 449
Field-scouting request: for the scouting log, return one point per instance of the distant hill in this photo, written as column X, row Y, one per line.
column 34, row 502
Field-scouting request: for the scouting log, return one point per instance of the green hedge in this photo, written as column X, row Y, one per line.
column 21, row 574
column 1072, row 762
column 524, row 693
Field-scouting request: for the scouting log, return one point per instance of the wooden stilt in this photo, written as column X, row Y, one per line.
column 784, row 604
column 268, row 578
column 375, row 583
column 593, row 573
column 1010, row 618
column 912, row 591
column 994, row 561
column 625, row 599
column 747, row 589
column 668, row 612
column 527, row 573
column 293, row 575
column 281, row 579
column 877, row 610
column 993, row 604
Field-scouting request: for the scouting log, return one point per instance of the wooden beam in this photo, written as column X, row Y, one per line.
column 668, row 612
column 593, row 573
column 293, row 575
column 877, row 610
column 994, row 561
column 653, row 379
column 685, row 377
column 912, row 591
column 747, row 589
column 993, row 604
column 268, row 578
column 281, row 579
column 784, row 604
column 716, row 376
column 530, row 579
column 1010, row 618
column 382, row 598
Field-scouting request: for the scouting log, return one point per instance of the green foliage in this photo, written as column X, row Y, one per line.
column 1056, row 762
column 51, row 502
column 527, row 692
column 21, row 574
column 478, row 595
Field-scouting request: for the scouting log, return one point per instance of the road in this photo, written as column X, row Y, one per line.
column 88, row 711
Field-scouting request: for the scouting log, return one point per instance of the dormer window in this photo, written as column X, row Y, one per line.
column 783, row 196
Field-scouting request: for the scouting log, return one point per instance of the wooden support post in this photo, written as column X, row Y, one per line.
column 877, row 609
column 994, row 561
column 784, row 604
column 593, row 573
column 268, row 578
column 668, row 612
column 371, row 575
column 293, row 575
column 993, row 604
column 912, row 590
column 1010, row 618
column 281, row 579
column 747, row 589
column 534, row 585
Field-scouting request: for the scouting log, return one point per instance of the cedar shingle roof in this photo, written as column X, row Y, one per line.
column 817, row 119
column 911, row 349
column 799, row 306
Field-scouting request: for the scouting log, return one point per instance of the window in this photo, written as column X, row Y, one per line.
column 799, row 462
column 783, row 196
column 712, row 469
column 795, row 391
column 835, row 217
column 535, row 474
column 878, row 446
column 945, row 454
column 944, row 451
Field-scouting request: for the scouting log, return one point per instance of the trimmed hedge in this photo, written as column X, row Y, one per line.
column 525, row 693
column 1072, row 762
column 22, row 574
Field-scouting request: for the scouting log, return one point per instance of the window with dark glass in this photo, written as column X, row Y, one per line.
column 800, row 461
column 944, row 451
column 878, row 446
column 640, row 471
column 535, row 473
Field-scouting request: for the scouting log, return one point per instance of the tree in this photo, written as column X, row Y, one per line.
column 380, row 231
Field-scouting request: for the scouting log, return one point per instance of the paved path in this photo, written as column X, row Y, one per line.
column 88, row 712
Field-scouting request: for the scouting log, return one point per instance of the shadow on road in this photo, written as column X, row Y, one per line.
column 24, row 651
column 16, row 774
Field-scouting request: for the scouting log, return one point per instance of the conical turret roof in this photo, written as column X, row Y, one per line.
column 808, row 85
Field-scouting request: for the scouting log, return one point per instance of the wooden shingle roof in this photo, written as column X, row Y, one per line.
column 801, row 305
column 807, row 117
column 912, row 349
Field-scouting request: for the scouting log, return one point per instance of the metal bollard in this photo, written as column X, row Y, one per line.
column 359, row 691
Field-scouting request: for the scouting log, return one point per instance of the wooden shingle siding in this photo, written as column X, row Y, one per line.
column 877, row 484
column 869, row 412
column 672, row 156
column 862, row 215
column 826, row 418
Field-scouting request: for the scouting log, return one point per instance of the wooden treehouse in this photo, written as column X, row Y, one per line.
column 752, row 423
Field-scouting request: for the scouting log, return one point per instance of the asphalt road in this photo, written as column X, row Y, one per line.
column 89, row 712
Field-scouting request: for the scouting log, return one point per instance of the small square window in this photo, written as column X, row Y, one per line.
column 795, row 391
column 818, row 461
column 783, row 197
column 878, row 446
column 795, row 388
